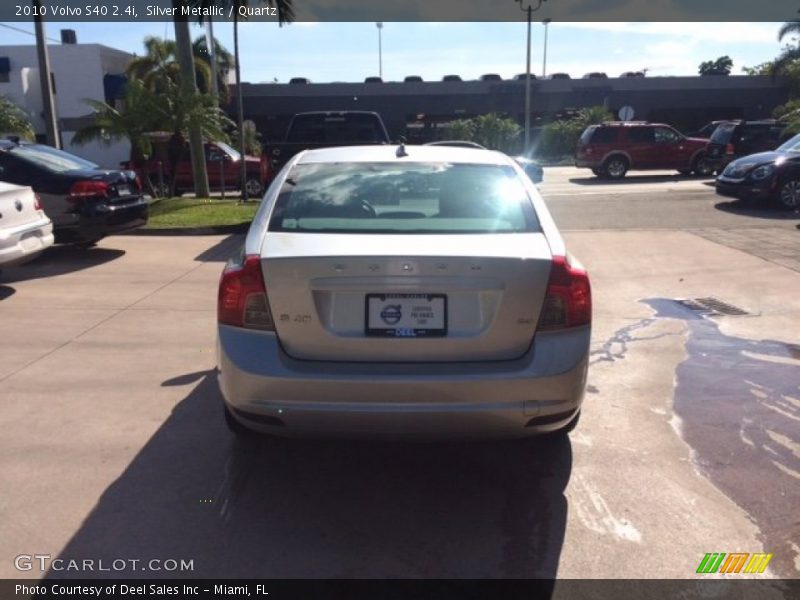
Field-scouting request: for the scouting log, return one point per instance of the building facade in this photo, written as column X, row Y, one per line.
column 419, row 110
column 78, row 71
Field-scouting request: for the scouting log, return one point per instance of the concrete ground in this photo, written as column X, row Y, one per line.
column 113, row 445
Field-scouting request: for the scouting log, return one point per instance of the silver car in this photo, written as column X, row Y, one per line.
column 403, row 291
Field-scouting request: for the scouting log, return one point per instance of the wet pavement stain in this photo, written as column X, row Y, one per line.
column 739, row 403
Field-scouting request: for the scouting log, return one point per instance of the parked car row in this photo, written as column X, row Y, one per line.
column 81, row 202
column 745, row 155
column 612, row 149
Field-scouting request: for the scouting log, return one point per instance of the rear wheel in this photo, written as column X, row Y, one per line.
column 254, row 187
column 702, row 167
column 615, row 167
column 235, row 426
column 789, row 194
column 568, row 427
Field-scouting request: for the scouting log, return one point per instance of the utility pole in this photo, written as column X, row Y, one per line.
column 48, row 103
column 545, row 22
column 528, row 10
column 380, row 50
column 188, row 84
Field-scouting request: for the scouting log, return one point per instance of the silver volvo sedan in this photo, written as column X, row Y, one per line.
column 403, row 291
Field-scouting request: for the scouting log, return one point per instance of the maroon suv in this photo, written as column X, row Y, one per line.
column 612, row 149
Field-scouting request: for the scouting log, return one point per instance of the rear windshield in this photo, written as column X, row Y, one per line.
column 335, row 129
column 722, row 134
column 50, row 158
column 403, row 198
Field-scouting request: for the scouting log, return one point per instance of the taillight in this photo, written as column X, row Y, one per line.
column 568, row 301
column 37, row 202
column 242, row 299
column 87, row 189
column 729, row 149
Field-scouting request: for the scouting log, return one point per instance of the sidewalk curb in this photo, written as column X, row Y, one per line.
column 183, row 231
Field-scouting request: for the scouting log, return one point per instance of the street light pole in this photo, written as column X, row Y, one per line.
column 528, row 10
column 545, row 22
column 380, row 51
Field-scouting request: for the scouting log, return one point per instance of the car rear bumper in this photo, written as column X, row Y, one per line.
column 102, row 220
column 271, row 392
column 585, row 163
column 23, row 243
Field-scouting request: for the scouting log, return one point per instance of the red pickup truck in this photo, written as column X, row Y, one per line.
column 222, row 165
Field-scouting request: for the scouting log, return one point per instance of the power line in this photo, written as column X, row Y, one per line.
column 28, row 32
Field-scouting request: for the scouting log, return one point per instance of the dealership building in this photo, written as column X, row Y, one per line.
column 419, row 110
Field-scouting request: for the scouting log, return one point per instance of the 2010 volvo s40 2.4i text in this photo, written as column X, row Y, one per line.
column 403, row 291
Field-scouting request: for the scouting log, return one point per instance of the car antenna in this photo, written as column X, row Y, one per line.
column 401, row 149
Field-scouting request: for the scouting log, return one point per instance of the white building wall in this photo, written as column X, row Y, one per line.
column 78, row 71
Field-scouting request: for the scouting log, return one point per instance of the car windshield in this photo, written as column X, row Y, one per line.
column 790, row 145
column 403, row 198
column 51, row 158
column 235, row 156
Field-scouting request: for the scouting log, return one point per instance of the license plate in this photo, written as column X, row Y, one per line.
column 123, row 190
column 406, row 315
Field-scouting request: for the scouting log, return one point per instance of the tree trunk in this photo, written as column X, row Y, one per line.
column 239, row 111
column 188, row 81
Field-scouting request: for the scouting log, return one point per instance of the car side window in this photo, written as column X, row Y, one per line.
column 641, row 135
column 604, row 135
column 664, row 135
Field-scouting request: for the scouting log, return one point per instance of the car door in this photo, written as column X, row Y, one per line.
column 672, row 150
column 641, row 147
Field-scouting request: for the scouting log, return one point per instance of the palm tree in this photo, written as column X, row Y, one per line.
column 160, row 65
column 139, row 114
column 14, row 120
column 789, row 54
column 285, row 12
column 224, row 64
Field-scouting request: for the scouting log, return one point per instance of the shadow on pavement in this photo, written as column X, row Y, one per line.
column 633, row 179
column 738, row 207
column 264, row 508
column 6, row 291
column 60, row 260
column 222, row 250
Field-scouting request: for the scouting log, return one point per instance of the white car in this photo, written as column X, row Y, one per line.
column 25, row 231
column 403, row 291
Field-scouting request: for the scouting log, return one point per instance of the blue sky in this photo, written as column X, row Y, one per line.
column 328, row 51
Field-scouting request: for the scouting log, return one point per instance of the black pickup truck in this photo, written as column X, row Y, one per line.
column 324, row 129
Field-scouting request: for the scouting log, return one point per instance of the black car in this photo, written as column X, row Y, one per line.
column 732, row 139
column 85, row 203
column 767, row 176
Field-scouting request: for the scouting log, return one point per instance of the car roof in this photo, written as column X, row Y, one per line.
column 389, row 153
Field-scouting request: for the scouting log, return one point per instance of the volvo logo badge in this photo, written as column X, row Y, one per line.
column 391, row 314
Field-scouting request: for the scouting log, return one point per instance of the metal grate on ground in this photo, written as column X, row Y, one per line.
column 712, row 307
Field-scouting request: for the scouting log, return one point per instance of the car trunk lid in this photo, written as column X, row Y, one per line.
column 451, row 297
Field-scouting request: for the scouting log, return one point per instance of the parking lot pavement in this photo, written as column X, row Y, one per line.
column 113, row 444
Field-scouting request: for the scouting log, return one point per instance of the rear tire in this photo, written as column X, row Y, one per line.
column 701, row 167
column 254, row 187
column 615, row 167
column 235, row 426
